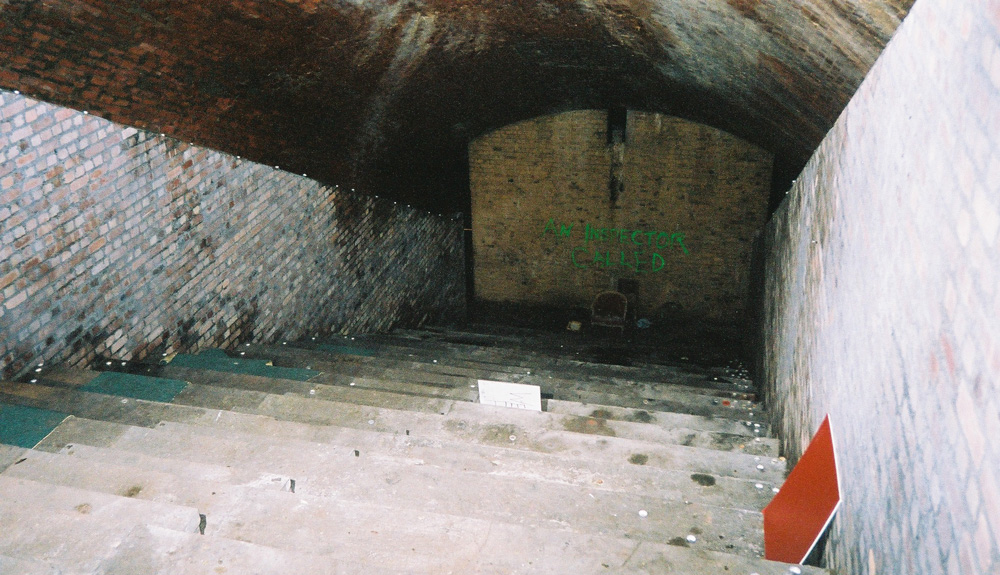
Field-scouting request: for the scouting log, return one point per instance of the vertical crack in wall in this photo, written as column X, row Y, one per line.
column 617, row 136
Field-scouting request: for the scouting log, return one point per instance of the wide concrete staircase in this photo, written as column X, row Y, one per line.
column 372, row 455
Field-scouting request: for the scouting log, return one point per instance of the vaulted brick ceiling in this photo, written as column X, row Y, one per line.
column 386, row 94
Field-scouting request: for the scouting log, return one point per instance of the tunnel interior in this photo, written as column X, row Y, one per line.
column 387, row 97
column 181, row 175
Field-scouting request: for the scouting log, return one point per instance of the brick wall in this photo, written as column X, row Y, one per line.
column 689, row 200
column 233, row 78
column 883, row 301
column 120, row 242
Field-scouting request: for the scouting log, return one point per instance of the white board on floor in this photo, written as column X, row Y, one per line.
column 516, row 395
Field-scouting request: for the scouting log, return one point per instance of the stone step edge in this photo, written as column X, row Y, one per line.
column 377, row 414
column 141, row 484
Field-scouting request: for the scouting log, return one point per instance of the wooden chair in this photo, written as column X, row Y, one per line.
column 609, row 309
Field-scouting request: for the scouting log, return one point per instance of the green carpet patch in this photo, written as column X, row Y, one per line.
column 218, row 360
column 135, row 386
column 26, row 426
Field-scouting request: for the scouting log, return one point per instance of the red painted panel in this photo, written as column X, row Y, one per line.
column 800, row 512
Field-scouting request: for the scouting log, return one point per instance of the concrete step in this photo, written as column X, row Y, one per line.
column 136, row 412
column 629, row 477
column 478, row 424
column 378, row 393
column 51, row 497
column 401, row 395
column 367, row 487
column 69, row 541
column 13, row 565
column 9, row 454
column 438, row 545
column 435, row 381
column 301, row 523
column 234, row 392
column 564, row 353
column 743, row 442
column 89, row 542
column 320, row 467
column 489, row 365
column 516, row 429
column 156, row 550
column 666, row 419
column 151, row 549
column 539, row 371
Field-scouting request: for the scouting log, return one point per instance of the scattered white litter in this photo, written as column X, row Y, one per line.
column 312, row 392
column 38, row 370
column 34, row 381
column 795, row 569
column 691, row 538
column 513, row 438
column 124, row 401
column 643, row 513
column 108, row 363
column 352, row 383
column 371, row 422
column 775, row 489
column 760, row 467
column 759, row 486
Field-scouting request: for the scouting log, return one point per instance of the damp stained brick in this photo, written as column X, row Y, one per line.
column 119, row 242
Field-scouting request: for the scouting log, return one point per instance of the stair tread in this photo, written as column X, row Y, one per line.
column 152, row 549
column 539, row 346
column 619, row 476
column 26, row 566
column 401, row 472
column 433, row 398
column 70, row 541
column 9, row 454
column 229, row 392
column 445, row 368
column 26, row 492
column 487, row 425
column 460, row 363
column 210, row 396
column 360, row 488
column 437, row 542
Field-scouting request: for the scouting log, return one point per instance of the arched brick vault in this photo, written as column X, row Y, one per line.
column 386, row 94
